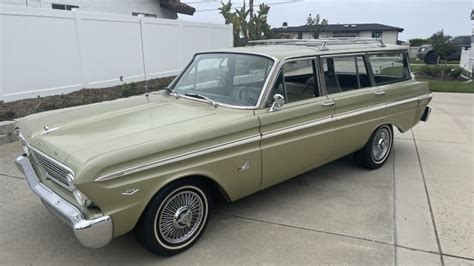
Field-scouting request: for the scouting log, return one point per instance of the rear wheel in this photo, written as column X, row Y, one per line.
column 431, row 59
column 376, row 151
column 175, row 218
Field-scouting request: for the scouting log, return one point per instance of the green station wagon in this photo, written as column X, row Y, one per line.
column 234, row 122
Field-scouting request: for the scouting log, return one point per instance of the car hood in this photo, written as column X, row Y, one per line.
column 79, row 134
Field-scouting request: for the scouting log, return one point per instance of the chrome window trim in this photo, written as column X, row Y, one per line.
column 179, row 157
column 250, row 139
column 265, row 84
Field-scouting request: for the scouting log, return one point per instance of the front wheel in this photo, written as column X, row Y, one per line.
column 431, row 59
column 376, row 151
column 175, row 218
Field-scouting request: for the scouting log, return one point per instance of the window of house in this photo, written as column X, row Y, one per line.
column 63, row 6
column 389, row 67
column 377, row 34
column 345, row 73
column 144, row 14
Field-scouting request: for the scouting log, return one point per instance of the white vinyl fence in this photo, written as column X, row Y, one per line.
column 46, row 52
column 467, row 60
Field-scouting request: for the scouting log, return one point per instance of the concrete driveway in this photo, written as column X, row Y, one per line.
column 418, row 209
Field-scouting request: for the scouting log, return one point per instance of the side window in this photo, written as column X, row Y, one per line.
column 299, row 80
column 296, row 82
column 345, row 73
column 278, row 88
column 389, row 67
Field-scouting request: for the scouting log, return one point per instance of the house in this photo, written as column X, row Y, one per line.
column 388, row 34
column 149, row 8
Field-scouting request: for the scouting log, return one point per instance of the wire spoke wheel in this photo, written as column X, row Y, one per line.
column 381, row 144
column 181, row 215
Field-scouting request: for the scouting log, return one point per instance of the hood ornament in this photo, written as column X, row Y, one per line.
column 48, row 130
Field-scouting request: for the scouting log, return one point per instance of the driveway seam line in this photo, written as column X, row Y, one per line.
column 429, row 200
column 395, row 233
column 341, row 235
column 437, row 141
column 12, row 176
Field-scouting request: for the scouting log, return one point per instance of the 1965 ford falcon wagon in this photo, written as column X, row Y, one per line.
column 234, row 122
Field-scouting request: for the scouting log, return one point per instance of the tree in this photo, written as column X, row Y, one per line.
column 247, row 25
column 315, row 24
column 418, row 41
column 443, row 47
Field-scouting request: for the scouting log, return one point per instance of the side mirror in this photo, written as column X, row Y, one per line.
column 278, row 102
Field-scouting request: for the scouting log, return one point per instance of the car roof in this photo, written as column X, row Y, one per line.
column 284, row 51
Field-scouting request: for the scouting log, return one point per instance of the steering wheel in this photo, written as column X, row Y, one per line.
column 248, row 96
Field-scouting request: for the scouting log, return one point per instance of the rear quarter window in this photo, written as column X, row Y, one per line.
column 389, row 67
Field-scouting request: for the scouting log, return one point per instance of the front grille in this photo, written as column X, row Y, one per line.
column 55, row 171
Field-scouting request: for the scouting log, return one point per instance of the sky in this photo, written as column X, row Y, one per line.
column 419, row 18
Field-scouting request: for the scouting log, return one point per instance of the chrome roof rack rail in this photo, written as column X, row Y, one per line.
column 322, row 44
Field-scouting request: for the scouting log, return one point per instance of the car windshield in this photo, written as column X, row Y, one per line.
column 225, row 78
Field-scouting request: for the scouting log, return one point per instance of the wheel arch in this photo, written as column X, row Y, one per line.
column 217, row 191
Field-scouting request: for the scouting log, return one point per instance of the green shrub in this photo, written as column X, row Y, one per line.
column 455, row 72
column 129, row 89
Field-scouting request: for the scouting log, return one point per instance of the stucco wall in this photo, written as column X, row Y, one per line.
column 125, row 7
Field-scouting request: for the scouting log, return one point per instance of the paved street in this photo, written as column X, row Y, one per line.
column 417, row 209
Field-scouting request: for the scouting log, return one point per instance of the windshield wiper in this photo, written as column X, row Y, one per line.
column 200, row 96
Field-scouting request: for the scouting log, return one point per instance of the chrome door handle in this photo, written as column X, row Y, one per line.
column 379, row 93
column 328, row 104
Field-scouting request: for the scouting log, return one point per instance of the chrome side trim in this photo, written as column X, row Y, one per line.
column 413, row 99
column 297, row 127
column 177, row 158
column 359, row 112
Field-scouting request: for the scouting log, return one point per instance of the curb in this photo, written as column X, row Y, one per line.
column 6, row 132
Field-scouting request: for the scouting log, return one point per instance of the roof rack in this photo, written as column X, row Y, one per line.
column 322, row 44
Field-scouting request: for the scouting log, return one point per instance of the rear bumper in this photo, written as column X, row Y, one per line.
column 426, row 114
column 90, row 233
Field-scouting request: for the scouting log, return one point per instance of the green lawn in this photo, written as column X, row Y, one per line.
column 419, row 61
column 451, row 86
column 445, row 85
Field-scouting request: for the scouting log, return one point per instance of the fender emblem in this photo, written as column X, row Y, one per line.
column 244, row 167
column 48, row 130
column 130, row 191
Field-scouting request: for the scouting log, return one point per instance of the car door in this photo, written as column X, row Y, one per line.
column 298, row 136
column 359, row 107
column 392, row 76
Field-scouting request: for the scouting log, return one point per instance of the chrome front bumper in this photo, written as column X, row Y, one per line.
column 91, row 233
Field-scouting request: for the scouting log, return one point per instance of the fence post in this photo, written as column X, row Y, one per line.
column 78, row 22
column 180, row 44
column 140, row 17
column 1, row 60
column 209, row 30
